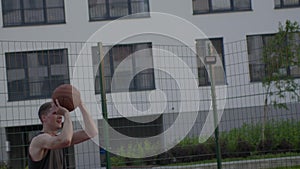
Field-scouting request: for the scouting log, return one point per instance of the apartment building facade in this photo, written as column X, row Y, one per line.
column 42, row 42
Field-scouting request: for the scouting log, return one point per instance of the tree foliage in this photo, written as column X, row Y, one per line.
column 281, row 55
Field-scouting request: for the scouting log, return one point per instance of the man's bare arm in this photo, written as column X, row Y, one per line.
column 90, row 129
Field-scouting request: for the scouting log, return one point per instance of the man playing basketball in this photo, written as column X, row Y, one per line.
column 46, row 149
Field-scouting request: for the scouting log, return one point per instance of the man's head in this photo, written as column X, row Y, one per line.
column 48, row 115
column 44, row 109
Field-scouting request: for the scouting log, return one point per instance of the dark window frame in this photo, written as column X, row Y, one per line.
column 135, row 129
column 134, row 86
column 210, row 9
column 46, row 17
column 283, row 5
column 262, row 66
column 203, row 70
column 107, row 7
column 18, row 90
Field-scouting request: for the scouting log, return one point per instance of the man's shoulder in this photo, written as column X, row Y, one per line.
column 40, row 136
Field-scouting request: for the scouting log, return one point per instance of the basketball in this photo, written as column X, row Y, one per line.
column 68, row 96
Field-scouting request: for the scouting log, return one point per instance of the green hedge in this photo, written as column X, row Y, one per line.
column 281, row 137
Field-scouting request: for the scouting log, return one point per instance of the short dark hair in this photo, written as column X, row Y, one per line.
column 44, row 109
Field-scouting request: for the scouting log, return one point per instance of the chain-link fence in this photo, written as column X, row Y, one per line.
column 159, row 100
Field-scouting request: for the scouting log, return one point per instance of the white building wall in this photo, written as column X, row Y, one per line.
column 232, row 26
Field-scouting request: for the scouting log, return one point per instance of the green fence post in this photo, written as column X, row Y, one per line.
column 211, row 60
column 104, row 105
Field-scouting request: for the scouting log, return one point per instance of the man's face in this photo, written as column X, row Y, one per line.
column 52, row 119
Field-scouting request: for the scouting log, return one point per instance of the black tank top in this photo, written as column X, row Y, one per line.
column 53, row 160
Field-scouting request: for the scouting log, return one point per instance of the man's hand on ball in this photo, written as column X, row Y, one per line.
column 60, row 110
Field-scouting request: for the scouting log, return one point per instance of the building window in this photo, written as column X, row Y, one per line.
column 209, row 47
column 140, row 57
column 32, row 12
column 135, row 129
column 35, row 74
column 211, row 6
column 113, row 9
column 286, row 3
column 257, row 68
